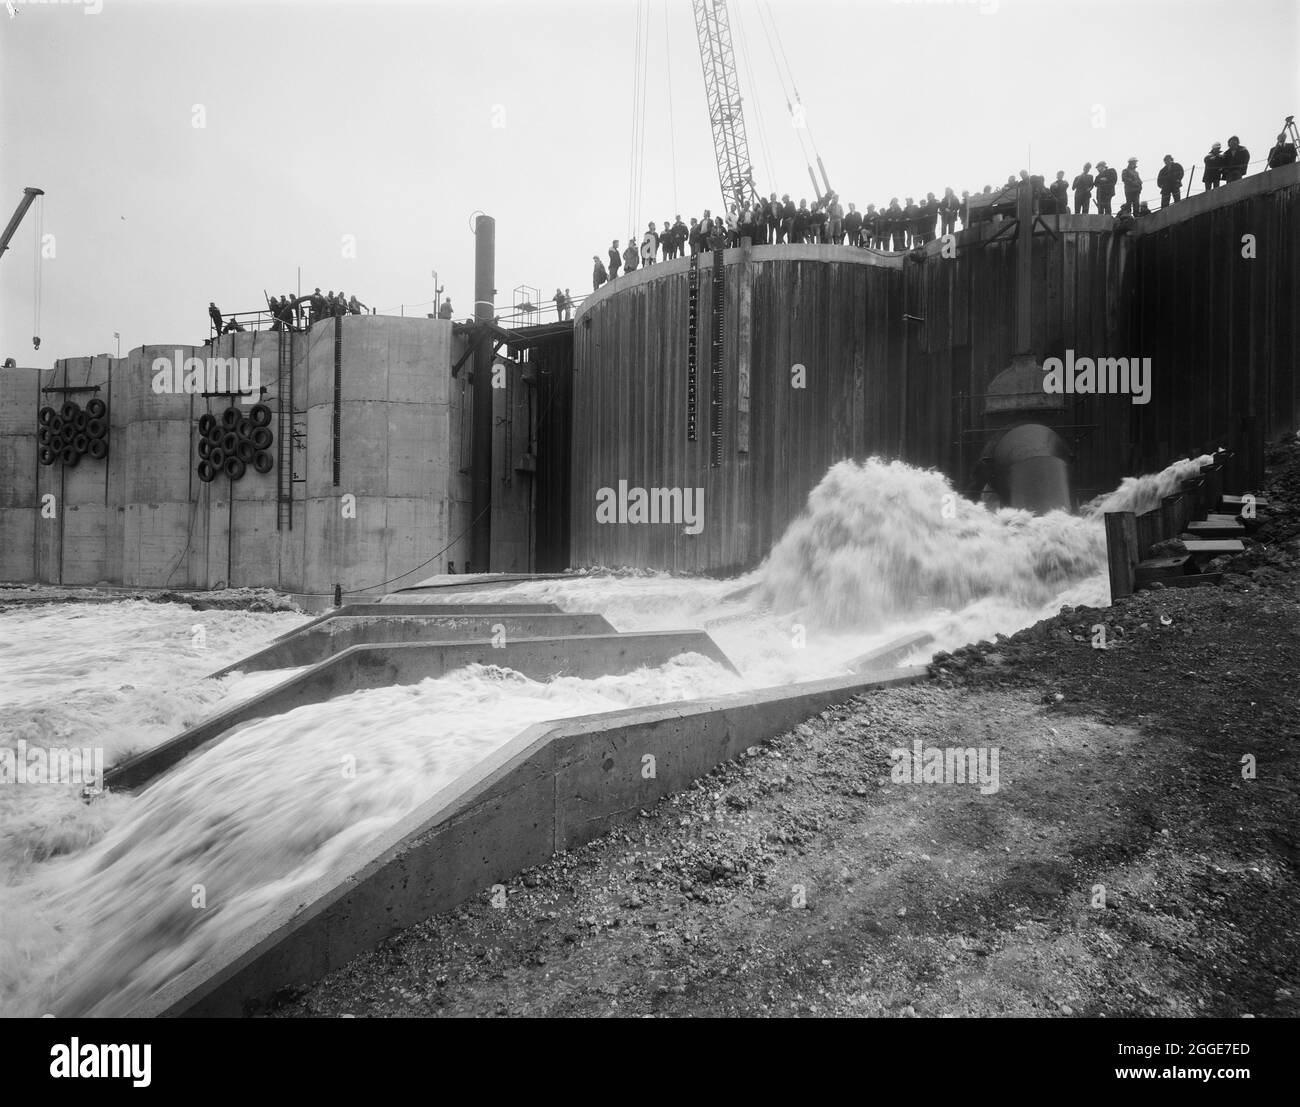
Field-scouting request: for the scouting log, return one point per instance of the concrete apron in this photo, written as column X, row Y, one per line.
column 361, row 667
column 554, row 787
column 334, row 635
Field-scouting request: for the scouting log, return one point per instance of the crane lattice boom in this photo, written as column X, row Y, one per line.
column 722, row 89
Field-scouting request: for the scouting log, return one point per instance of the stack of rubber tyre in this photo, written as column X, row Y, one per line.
column 68, row 433
column 232, row 441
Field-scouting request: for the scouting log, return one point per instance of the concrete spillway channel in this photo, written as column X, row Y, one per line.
column 553, row 787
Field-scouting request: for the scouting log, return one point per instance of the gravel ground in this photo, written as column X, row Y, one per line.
column 1125, row 866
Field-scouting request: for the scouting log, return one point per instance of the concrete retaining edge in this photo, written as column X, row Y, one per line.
column 361, row 667
column 325, row 639
column 421, row 609
column 554, row 787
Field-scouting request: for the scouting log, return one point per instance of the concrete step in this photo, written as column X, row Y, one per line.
column 361, row 667
column 1213, row 546
column 336, row 633
column 1215, row 530
column 1237, row 502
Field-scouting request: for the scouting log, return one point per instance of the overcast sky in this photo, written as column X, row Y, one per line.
column 394, row 123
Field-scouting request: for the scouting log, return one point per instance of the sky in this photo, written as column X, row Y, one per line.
column 197, row 150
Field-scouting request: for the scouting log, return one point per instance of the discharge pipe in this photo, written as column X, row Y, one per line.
column 1031, row 469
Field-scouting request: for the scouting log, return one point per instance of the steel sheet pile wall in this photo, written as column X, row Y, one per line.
column 1221, row 326
column 825, row 309
column 1082, row 300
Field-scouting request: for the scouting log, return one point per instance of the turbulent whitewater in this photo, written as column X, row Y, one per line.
column 103, row 903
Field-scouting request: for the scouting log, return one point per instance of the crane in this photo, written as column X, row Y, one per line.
column 29, row 194
column 722, row 90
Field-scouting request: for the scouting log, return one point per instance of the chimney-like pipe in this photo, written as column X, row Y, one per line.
column 485, row 237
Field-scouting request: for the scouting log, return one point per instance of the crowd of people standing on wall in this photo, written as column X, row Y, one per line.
column 292, row 312
column 917, row 221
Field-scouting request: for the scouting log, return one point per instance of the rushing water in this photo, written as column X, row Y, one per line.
column 98, row 901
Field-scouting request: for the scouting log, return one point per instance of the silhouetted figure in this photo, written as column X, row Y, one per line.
column 1060, row 190
column 559, row 304
column 1236, row 160
column 1107, row 179
column 1083, row 185
column 355, row 305
column 233, row 327
column 214, row 313
column 317, row 302
column 598, row 274
column 788, row 211
column 1132, row 186
column 649, row 245
column 853, row 226
column 1213, row 175
column 1170, row 181
column 679, row 238
column 897, row 224
column 615, row 259
column 631, row 256
column 1283, row 153
column 445, row 311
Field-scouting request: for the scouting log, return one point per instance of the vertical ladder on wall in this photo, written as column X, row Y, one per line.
column 692, row 330
column 715, row 362
column 284, row 439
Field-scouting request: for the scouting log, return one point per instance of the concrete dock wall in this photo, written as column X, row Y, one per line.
column 376, row 390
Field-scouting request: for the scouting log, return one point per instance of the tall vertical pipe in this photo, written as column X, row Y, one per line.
column 485, row 238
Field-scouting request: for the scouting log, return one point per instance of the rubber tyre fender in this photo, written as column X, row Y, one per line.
column 69, row 457
column 81, row 443
column 262, row 438
column 205, row 449
column 245, row 451
column 263, row 462
column 234, row 468
column 206, row 421
column 57, row 423
column 216, row 432
column 47, row 454
column 245, row 428
column 96, row 428
column 96, row 408
column 217, row 457
column 98, row 449
column 230, row 418
column 80, row 420
column 45, row 415
column 69, row 410
column 43, row 435
column 229, row 442
column 260, row 415
column 206, row 472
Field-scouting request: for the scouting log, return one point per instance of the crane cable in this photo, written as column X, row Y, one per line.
column 37, row 271
column 645, row 73
column 799, row 119
column 672, row 129
column 636, row 88
column 763, row 145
